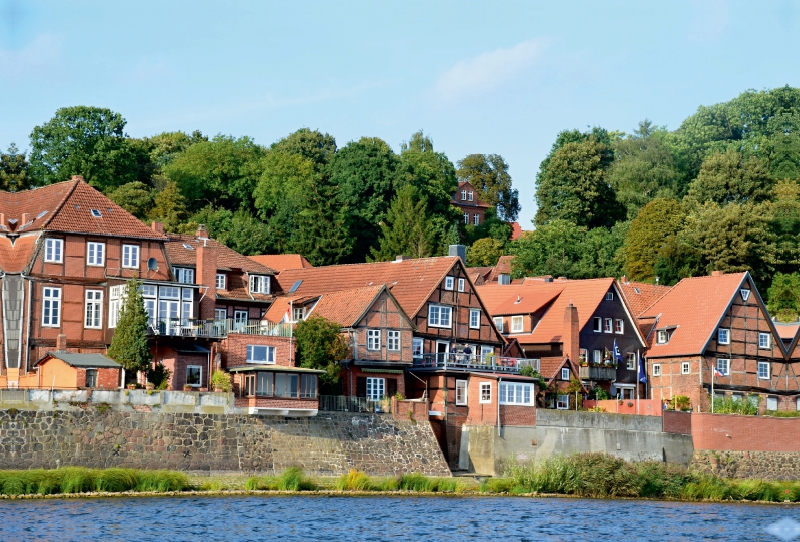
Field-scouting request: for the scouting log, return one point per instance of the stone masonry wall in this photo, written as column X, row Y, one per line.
column 745, row 464
column 329, row 444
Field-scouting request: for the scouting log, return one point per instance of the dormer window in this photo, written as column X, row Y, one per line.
column 96, row 213
column 662, row 336
column 463, row 195
column 469, row 195
column 221, row 281
column 184, row 275
column 259, row 284
column 298, row 314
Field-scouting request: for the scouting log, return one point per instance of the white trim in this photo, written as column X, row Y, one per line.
column 517, row 320
column 485, row 386
column 472, row 313
column 99, row 250
column 132, row 262
column 97, row 309
column 439, row 318
column 186, row 376
column 53, row 250
column 758, row 370
column 52, row 304
column 461, row 386
column 449, row 283
column 392, row 336
column 373, row 335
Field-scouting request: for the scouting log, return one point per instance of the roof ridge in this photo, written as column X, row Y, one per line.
column 60, row 205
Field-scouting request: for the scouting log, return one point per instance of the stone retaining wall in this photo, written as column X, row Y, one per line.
column 763, row 465
column 329, row 444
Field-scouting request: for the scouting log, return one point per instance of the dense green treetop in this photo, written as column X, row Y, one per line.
column 14, row 170
column 320, row 345
column 488, row 173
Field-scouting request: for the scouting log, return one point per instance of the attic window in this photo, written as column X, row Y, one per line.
column 188, row 247
column 745, row 294
column 295, row 286
column 12, row 221
column 96, row 213
column 40, row 215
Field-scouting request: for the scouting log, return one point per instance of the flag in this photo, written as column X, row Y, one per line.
column 642, row 372
column 717, row 372
column 288, row 316
column 617, row 354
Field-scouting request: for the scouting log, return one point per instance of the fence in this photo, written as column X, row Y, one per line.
column 473, row 362
column 187, row 327
column 342, row 403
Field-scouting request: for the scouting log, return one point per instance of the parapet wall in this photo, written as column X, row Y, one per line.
column 745, row 433
column 328, row 444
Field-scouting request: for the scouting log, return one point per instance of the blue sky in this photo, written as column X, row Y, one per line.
column 478, row 77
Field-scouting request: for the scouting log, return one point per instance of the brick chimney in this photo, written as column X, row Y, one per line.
column 570, row 336
column 77, row 177
column 202, row 232
column 157, row 227
column 717, row 273
column 206, row 274
column 61, row 343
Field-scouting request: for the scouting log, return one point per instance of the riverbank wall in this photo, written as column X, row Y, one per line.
column 329, row 444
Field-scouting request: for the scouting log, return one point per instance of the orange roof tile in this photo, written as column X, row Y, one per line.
column 787, row 331
column 503, row 267
column 694, row 308
column 227, row 258
column 479, row 275
column 15, row 258
column 640, row 295
column 524, row 298
column 279, row 262
column 586, row 295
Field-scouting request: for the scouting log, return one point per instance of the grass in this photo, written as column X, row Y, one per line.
column 83, row 480
column 292, row 479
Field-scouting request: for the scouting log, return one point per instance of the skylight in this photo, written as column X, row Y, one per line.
column 188, row 247
column 295, row 286
column 96, row 213
column 40, row 215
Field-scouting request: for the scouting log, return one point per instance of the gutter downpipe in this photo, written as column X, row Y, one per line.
column 499, row 381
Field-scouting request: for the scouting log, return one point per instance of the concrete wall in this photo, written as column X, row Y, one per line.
column 634, row 438
column 329, row 444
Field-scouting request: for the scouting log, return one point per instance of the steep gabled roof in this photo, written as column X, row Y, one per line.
column 586, row 295
column 641, row 295
column 503, row 267
column 15, row 258
column 227, row 258
column 280, row 262
column 525, row 298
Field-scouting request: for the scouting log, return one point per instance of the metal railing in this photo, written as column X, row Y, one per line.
column 188, row 327
column 471, row 362
column 342, row 403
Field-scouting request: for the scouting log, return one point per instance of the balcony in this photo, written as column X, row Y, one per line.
column 216, row 329
column 466, row 362
column 597, row 373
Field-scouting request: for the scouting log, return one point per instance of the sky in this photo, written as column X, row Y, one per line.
column 499, row 77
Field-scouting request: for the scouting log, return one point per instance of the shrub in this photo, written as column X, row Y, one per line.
column 293, row 479
column 159, row 376
column 222, row 380
column 355, row 480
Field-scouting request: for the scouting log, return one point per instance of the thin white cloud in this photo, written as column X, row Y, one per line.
column 488, row 71
column 43, row 52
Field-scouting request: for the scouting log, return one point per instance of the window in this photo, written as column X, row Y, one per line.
column 515, row 394
column 376, row 388
column 772, row 403
column 259, row 284
column 798, row 403
column 169, row 292
column 461, row 285
column 194, row 375
column 148, row 290
column 498, row 323
column 95, row 253
column 286, row 385
column 763, row 370
column 130, row 256
column 373, row 339
column 298, row 314
column 656, row 369
column 448, row 283
column 724, row 336
column 486, row 392
column 51, row 307
column 738, row 397
column 486, row 352
column 564, row 373
column 96, row 213
column 94, row 309
column 609, row 296
column 240, row 320
column 662, row 337
column 516, row 324
column 631, row 361
column 475, row 318
column 470, row 195
column 763, row 340
column 114, row 305
column 221, row 281
column 745, row 294
column 476, row 219
column 461, row 392
column 619, row 326
column 308, row 386
column 597, row 356
column 184, row 275
column 91, row 378
column 260, row 354
column 723, row 366
column 562, row 402
column 463, row 195
column 608, row 325
column 598, row 324
column 466, row 218
column 417, row 347
column 220, row 314
column 439, row 316
column 54, row 250
column 685, row 368
column 393, row 340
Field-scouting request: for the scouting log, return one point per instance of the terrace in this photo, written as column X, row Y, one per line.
column 465, row 362
column 216, row 329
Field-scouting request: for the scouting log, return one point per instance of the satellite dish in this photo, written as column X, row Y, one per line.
column 613, row 390
column 152, row 264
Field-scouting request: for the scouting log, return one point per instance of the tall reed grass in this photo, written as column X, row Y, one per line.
column 83, row 480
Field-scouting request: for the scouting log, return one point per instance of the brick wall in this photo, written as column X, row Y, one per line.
column 677, row 422
column 747, row 464
column 106, row 378
column 745, row 433
column 276, row 402
column 350, row 380
column 517, row 415
column 233, row 349
column 418, row 410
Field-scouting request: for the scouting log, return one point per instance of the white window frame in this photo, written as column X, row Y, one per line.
column 630, row 362
column 772, row 400
column 686, row 367
column 95, row 254
column 766, row 344
column 745, row 293
column 598, row 324
column 53, row 250
column 516, row 393
column 724, row 366
column 221, row 281
column 220, row 314
column 476, row 219
column 461, row 284
column 608, row 325
column 448, row 283
column 393, row 340
column 51, row 307
column 474, row 318
column 298, row 313
column 565, row 373
column 184, row 275
column 93, row 309
column 485, row 393
column 656, row 369
column 470, row 195
column 619, row 326
column 466, row 218
column 130, row 256
column 562, row 402
column 200, row 379
column 436, row 316
column 517, row 324
column 597, row 356
column 463, row 195
column 259, row 284
column 723, row 335
column 609, row 296
column 269, row 354
column 498, row 323
column 765, row 374
column 373, row 339
column 461, row 392
column 662, row 337
column 376, row 388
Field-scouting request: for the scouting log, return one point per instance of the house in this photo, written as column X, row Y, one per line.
column 60, row 370
column 472, row 208
column 500, row 273
column 718, row 322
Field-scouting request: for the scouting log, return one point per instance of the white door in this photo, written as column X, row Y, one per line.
column 168, row 312
column 239, row 320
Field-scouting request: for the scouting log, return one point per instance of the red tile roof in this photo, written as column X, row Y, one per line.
column 640, row 295
column 15, row 258
column 787, row 331
column 479, row 275
column 585, row 295
column 517, row 231
column 279, row 262
column 503, row 267
column 525, row 298
column 694, row 308
column 227, row 258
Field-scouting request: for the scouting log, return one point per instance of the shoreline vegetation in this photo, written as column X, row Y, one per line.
column 589, row 475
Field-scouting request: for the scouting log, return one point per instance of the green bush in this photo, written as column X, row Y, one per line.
column 417, row 482
column 83, row 480
column 355, row 480
column 222, row 380
column 293, row 479
column 729, row 405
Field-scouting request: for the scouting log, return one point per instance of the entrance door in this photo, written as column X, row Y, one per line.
column 442, row 349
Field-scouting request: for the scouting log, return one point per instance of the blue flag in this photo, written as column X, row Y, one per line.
column 617, row 355
column 642, row 373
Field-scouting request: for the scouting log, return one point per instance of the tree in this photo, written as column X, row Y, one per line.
column 320, row 345
column 406, row 230
column 575, row 187
column 729, row 178
column 552, row 249
column 312, row 145
column 88, row 141
column 324, row 227
column 129, row 345
column 784, row 297
column 656, row 224
column 484, row 252
column 134, row 197
column 14, row 170
column 785, row 213
column 488, row 173
column 169, row 208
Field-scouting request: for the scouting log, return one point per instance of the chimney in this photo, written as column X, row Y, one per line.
column 206, row 275
column 570, row 336
column 157, row 227
column 460, row 251
column 26, row 217
column 717, row 273
column 77, row 177
column 202, row 232
column 401, row 258
column 61, row 343
column 624, row 279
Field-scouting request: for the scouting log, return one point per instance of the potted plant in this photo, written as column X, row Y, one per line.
column 131, row 386
column 149, row 386
column 221, row 381
column 188, row 387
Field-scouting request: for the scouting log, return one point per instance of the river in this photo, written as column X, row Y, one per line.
column 381, row 518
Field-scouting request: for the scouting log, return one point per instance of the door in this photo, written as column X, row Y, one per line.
column 239, row 320
column 442, row 349
column 168, row 313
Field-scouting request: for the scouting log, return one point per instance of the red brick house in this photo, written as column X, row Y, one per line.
column 718, row 321
column 467, row 201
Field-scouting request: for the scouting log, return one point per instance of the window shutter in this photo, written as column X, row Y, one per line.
column 391, row 387
column 361, row 386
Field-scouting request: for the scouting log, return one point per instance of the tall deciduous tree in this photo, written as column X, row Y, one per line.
column 88, row 141
column 129, row 345
column 406, row 229
column 484, row 252
column 488, row 173
column 312, row 145
column 320, row 345
column 170, row 208
column 656, row 224
column 784, row 297
column 729, row 178
column 135, row 197
column 14, row 170
column 785, row 213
